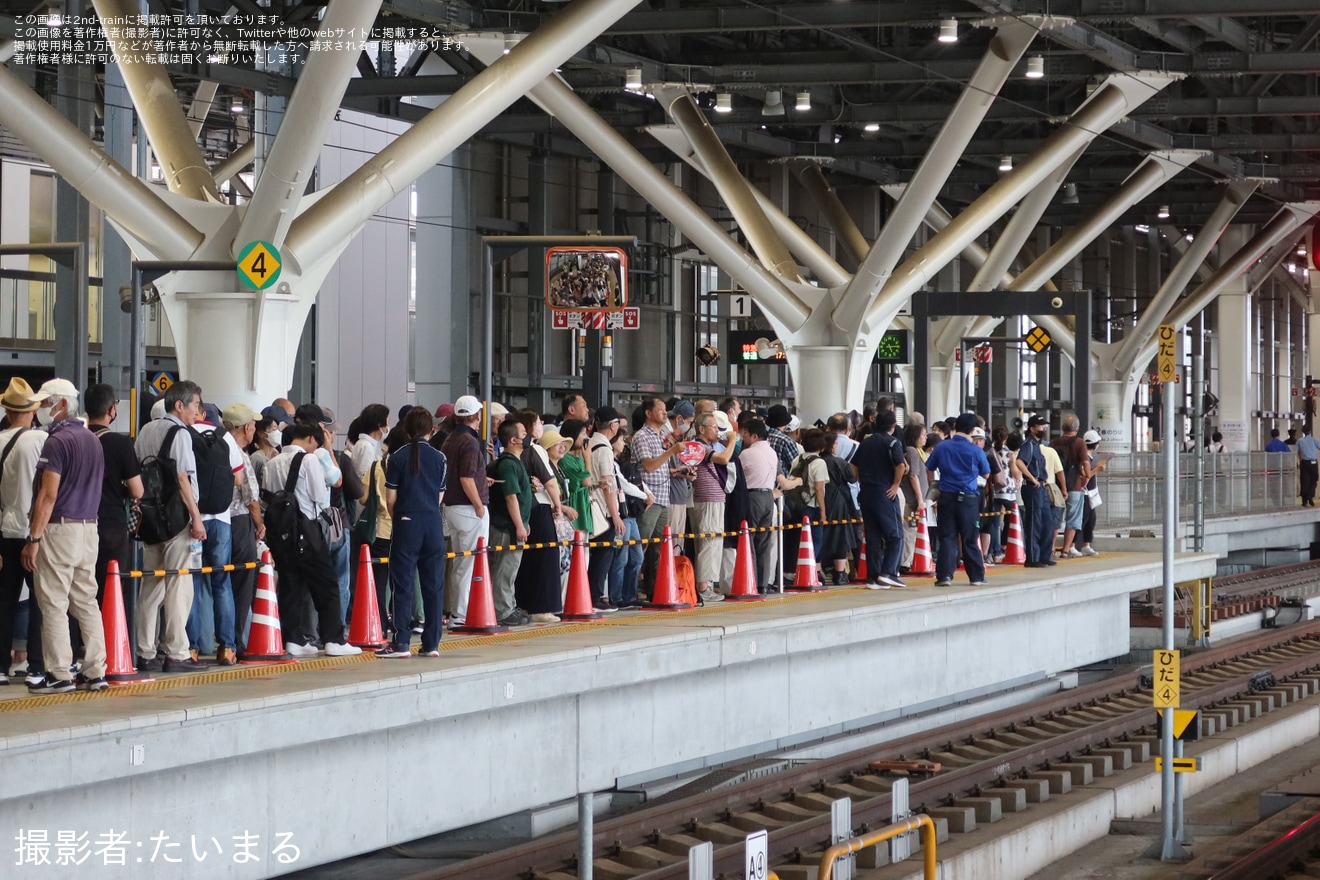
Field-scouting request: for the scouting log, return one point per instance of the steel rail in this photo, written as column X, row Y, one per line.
column 558, row 850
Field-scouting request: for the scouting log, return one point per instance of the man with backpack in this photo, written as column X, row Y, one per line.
column 171, row 521
column 297, row 495
column 605, row 492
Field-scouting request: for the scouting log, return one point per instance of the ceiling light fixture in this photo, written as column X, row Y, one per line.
column 632, row 79
column 1142, row 227
column 1070, row 194
column 54, row 17
column 511, row 40
column 774, row 103
column 236, row 106
column 948, row 30
column 1035, row 67
column 1163, row 213
column 803, row 101
column 723, row 103
column 872, row 126
column 1005, row 163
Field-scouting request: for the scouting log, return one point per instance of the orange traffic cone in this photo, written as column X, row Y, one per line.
column 805, row 579
column 664, row 596
column 923, row 565
column 577, row 604
column 265, row 640
column 1015, row 553
column 118, row 652
column 481, row 605
column 366, row 631
column 744, row 570
column 860, row 576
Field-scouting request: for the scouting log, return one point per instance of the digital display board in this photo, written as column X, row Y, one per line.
column 761, row 347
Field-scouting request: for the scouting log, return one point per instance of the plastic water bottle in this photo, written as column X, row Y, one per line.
column 194, row 554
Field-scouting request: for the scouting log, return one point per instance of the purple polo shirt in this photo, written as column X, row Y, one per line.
column 74, row 453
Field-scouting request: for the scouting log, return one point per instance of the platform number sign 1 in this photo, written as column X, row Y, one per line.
column 758, row 856
column 1167, row 679
column 259, row 265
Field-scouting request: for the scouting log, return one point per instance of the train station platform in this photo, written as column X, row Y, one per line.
column 1281, row 536
column 340, row 756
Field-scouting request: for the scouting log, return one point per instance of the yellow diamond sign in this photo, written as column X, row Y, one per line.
column 162, row 382
column 259, row 265
column 1038, row 339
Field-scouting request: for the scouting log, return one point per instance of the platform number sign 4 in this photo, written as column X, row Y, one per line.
column 259, row 265
column 758, row 856
column 1167, row 679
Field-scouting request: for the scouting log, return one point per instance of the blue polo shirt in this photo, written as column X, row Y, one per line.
column 959, row 463
column 419, row 493
column 1277, row 445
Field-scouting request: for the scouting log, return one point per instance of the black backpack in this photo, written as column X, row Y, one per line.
column 283, row 521
column 163, row 512
column 215, row 476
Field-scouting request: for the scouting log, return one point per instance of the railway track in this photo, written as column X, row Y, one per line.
column 998, row 763
column 1245, row 593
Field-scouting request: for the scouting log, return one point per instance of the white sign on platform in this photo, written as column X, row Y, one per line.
column 841, row 830
column 701, row 862
column 758, row 856
column 740, row 306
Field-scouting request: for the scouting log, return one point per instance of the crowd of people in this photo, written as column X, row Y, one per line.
column 421, row 489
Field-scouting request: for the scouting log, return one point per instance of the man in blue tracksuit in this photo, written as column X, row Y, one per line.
column 959, row 462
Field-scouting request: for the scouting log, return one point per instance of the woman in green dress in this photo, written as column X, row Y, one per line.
column 577, row 472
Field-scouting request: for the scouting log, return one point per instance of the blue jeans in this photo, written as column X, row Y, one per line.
column 417, row 555
column 627, row 565
column 880, row 514
column 211, row 623
column 958, row 531
column 339, row 558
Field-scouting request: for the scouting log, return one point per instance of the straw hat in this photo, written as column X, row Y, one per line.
column 551, row 438
column 18, row 397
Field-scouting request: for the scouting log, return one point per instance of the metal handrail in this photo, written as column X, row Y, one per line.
column 921, row 822
column 1233, row 483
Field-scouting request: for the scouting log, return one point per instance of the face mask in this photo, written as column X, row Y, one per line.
column 274, row 438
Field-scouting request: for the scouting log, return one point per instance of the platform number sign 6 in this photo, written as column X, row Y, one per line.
column 758, row 856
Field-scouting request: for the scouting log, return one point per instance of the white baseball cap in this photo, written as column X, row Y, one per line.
column 466, row 406
column 1091, row 437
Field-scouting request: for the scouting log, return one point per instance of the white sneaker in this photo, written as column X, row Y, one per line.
column 1073, row 553
column 298, row 650
column 1090, row 551
column 339, row 649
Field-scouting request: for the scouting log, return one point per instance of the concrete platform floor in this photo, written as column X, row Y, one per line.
column 284, row 681
column 1213, row 816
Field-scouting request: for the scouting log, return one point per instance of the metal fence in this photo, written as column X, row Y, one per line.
column 1132, row 487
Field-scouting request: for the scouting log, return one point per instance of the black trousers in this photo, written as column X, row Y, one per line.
column 114, row 543
column 12, row 578
column 243, row 535
column 1308, row 473
column 303, row 573
column 598, row 565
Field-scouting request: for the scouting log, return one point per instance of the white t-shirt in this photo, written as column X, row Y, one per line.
column 17, row 481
